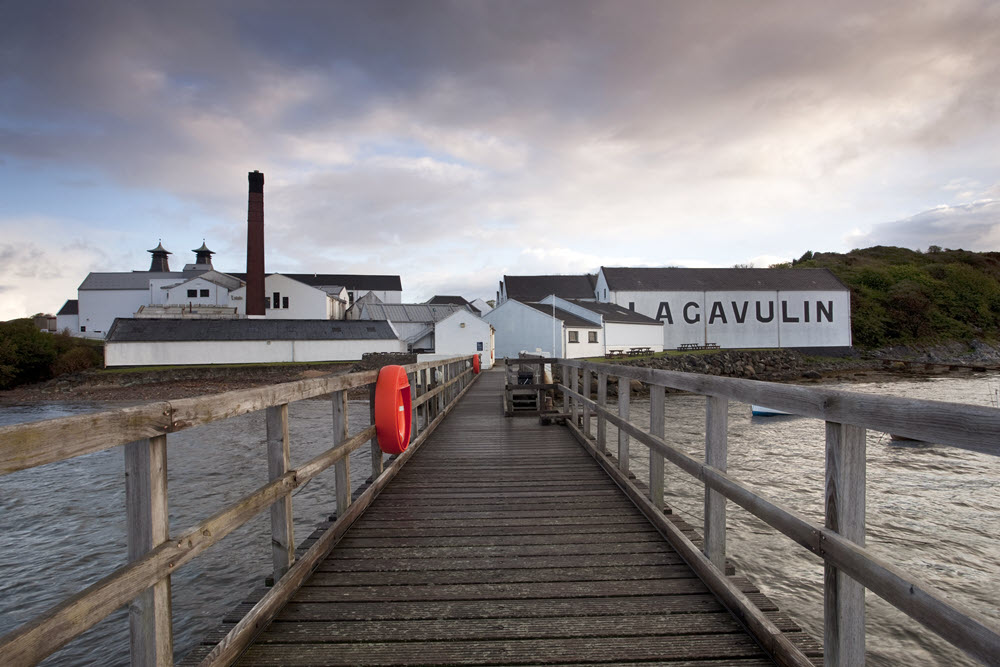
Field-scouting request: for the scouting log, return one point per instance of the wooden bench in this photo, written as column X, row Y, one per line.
column 614, row 354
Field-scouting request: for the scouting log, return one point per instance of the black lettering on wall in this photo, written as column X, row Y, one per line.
column 805, row 311
column 821, row 311
column 770, row 312
column 784, row 313
column 717, row 313
column 687, row 318
column 663, row 313
column 741, row 316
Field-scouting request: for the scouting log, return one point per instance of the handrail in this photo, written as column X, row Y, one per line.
column 841, row 541
column 153, row 554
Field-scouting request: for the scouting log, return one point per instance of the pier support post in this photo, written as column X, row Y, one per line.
column 624, row 396
column 586, row 406
column 278, row 463
column 574, row 381
column 656, row 416
column 716, row 426
column 376, row 450
column 843, row 597
column 602, row 402
column 342, row 468
column 151, row 640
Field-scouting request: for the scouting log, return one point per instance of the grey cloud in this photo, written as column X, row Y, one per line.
column 973, row 226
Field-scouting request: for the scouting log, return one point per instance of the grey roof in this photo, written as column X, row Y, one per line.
column 568, row 318
column 122, row 280
column 408, row 312
column 438, row 299
column 379, row 283
column 71, row 307
column 535, row 288
column 698, row 280
column 163, row 330
column 615, row 313
column 214, row 277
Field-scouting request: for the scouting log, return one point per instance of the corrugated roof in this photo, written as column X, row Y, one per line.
column 352, row 282
column 697, row 280
column 615, row 313
column 127, row 280
column 214, row 277
column 568, row 318
column 535, row 288
column 171, row 330
column 71, row 307
column 408, row 312
column 454, row 300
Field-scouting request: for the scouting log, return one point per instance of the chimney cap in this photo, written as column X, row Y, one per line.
column 256, row 179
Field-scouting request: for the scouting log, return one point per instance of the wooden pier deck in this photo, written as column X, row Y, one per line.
column 503, row 542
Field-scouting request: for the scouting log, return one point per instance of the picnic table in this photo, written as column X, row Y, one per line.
column 698, row 346
column 614, row 354
column 638, row 351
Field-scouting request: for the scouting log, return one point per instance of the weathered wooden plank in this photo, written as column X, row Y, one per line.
column 360, row 564
column 278, row 463
column 624, row 396
column 502, row 551
column 377, row 460
column 844, row 598
column 150, row 621
column 323, row 577
column 656, row 428
column 586, row 406
column 596, row 537
column 602, row 422
column 716, row 433
column 342, row 469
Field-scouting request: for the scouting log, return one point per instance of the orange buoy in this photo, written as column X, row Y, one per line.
column 475, row 364
column 392, row 409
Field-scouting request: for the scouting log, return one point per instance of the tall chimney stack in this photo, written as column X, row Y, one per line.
column 255, row 246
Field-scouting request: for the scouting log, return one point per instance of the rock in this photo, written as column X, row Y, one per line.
column 812, row 375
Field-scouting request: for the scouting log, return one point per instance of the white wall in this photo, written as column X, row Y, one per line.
column 241, row 352
column 304, row 302
column 624, row 335
column 452, row 338
column 723, row 311
column 99, row 308
column 584, row 348
column 387, row 296
column 71, row 322
column 217, row 295
column 805, row 319
column 520, row 327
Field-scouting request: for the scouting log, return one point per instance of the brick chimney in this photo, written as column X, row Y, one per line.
column 255, row 246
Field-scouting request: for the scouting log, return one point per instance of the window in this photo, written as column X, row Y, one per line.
column 574, row 336
column 276, row 300
column 350, row 297
column 284, row 302
column 267, row 302
column 192, row 293
column 631, row 306
column 83, row 328
column 605, row 294
column 591, row 336
column 479, row 346
column 204, row 292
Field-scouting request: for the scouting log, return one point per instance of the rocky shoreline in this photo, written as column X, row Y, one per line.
column 769, row 365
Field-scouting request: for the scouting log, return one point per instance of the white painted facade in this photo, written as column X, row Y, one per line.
column 742, row 319
column 613, row 335
column 520, row 327
column 99, row 308
column 242, row 352
column 584, row 345
column 464, row 333
column 197, row 292
column 71, row 322
column 385, row 296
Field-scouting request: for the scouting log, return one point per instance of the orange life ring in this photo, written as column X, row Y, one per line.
column 475, row 364
column 392, row 409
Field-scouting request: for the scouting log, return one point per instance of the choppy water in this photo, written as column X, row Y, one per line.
column 931, row 510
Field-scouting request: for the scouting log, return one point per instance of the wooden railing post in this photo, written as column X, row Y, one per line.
column 624, row 396
column 414, row 410
column 716, row 426
column 844, row 598
column 586, row 406
column 439, row 399
column 563, row 371
column 574, row 381
column 602, row 401
column 151, row 640
column 540, row 379
column 376, row 450
column 342, row 468
column 278, row 463
column 656, row 416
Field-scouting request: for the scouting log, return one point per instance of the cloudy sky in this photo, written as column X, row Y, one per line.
column 453, row 142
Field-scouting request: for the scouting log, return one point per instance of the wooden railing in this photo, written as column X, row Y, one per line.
column 849, row 567
column 144, row 583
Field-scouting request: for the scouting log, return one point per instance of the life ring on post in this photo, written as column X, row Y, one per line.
column 392, row 409
column 475, row 364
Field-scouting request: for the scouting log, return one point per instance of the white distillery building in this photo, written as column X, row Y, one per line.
column 439, row 329
column 150, row 342
column 199, row 291
column 621, row 328
column 533, row 327
column 735, row 308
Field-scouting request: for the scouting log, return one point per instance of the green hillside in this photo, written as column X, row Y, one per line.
column 901, row 296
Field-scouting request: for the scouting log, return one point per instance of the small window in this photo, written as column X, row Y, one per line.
column 605, row 294
column 574, row 336
column 591, row 336
column 83, row 328
column 284, row 302
column 276, row 300
column 479, row 346
column 192, row 293
column 267, row 303
column 631, row 306
column 204, row 292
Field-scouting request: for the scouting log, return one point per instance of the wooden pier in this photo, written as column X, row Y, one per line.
column 503, row 540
